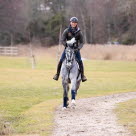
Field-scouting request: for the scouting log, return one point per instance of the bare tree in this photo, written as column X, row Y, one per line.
column 10, row 17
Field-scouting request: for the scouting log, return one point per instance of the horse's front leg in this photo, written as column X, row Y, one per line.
column 73, row 92
column 65, row 92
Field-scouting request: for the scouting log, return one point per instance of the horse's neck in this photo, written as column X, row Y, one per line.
column 74, row 62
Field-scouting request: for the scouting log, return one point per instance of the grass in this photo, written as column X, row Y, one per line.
column 110, row 52
column 126, row 113
column 28, row 97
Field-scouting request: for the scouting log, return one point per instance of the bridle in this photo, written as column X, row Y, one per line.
column 70, row 56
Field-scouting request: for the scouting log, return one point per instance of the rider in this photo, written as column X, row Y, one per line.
column 72, row 31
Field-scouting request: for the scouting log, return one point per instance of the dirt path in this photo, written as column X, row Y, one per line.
column 92, row 117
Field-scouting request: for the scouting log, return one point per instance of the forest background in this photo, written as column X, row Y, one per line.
column 40, row 21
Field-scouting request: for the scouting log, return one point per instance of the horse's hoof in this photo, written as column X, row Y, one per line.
column 64, row 108
column 73, row 104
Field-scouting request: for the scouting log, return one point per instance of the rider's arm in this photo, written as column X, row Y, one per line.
column 81, row 40
column 64, row 37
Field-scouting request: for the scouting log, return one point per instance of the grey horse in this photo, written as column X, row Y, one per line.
column 70, row 75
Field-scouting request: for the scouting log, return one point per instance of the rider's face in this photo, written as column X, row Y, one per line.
column 73, row 24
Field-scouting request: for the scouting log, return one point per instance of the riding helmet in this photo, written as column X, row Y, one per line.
column 74, row 19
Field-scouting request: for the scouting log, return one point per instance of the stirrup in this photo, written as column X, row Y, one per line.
column 84, row 78
column 56, row 77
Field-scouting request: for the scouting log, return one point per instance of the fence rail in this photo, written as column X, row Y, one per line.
column 9, row 51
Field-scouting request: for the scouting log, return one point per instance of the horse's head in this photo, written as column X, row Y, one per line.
column 70, row 56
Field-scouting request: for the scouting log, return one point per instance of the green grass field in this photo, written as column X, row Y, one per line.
column 126, row 113
column 28, row 97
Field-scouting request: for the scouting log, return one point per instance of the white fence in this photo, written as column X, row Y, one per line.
column 9, row 51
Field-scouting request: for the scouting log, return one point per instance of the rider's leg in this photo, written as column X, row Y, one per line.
column 56, row 76
column 82, row 71
column 79, row 60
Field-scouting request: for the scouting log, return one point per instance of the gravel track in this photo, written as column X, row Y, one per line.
column 91, row 117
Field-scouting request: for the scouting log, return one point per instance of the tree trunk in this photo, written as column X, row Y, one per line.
column 84, row 27
column 59, row 47
column 11, row 39
column 91, row 24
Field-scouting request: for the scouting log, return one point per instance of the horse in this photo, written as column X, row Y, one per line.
column 70, row 74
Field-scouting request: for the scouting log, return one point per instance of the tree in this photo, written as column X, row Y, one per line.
column 45, row 19
column 11, row 18
column 100, row 21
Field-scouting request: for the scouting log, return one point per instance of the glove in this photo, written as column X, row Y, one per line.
column 71, row 42
column 76, row 50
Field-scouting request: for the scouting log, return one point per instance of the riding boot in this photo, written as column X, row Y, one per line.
column 56, row 77
column 82, row 71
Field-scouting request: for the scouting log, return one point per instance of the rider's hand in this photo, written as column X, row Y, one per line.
column 71, row 42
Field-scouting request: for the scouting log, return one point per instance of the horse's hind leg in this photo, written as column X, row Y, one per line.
column 77, row 86
column 73, row 89
column 65, row 93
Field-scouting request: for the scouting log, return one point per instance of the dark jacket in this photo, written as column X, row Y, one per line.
column 68, row 35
